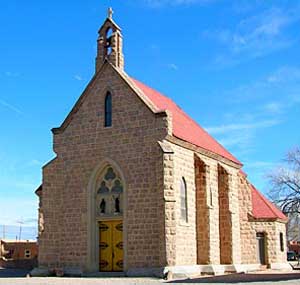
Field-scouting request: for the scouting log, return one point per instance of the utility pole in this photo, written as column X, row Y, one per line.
column 20, row 231
column 3, row 236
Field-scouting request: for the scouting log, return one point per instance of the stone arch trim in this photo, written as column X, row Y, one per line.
column 92, row 263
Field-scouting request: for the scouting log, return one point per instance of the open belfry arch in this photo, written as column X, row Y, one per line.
column 110, row 43
column 138, row 187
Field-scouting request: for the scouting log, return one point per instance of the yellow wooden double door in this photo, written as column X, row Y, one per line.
column 111, row 246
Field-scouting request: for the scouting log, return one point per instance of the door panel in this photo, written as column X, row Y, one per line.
column 118, row 246
column 111, row 246
column 105, row 246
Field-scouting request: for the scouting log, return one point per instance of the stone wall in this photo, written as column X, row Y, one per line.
column 168, row 209
column 281, row 255
column 186, row 250
column 272, row 231
column 250, row 227
column 131, row 143
column 248, row 249
column 203, row 181
column 52, row 208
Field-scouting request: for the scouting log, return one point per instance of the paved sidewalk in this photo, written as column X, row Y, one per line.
column 250, row 278
column 138, row 281
column 261, row 278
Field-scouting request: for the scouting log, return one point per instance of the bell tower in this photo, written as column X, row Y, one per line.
column 110, row 44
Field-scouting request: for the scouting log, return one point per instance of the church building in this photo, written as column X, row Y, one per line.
column 138, row 187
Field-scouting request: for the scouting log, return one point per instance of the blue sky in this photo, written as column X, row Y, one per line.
column 234, row 66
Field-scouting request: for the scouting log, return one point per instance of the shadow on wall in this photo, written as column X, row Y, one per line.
column 13, row 273
column 242, row 277
column 26, row 264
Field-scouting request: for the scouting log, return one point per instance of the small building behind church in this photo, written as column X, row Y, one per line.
column 138, row 187
column 18, row 253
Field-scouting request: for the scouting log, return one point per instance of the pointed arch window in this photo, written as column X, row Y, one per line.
column 183, row 201
column 110, row 193
column 108, row 110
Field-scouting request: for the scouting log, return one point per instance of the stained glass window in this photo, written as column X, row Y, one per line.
column 117, row 188
column 110, row 193
column 110, row 175
column 103, row 188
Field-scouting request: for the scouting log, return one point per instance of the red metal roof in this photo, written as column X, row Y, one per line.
column 184, row 127
column 262, row 208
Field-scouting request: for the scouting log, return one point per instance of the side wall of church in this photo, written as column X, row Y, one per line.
column 250, row 227
column 131, row 143
column 189, row 233
column 186, row 249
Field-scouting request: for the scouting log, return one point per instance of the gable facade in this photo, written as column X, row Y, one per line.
column 137, row 198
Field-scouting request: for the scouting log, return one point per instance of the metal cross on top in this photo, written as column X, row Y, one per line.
column 110, row 12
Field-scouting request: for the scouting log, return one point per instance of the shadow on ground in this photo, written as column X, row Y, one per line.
column 241, row 277
column 9, row 273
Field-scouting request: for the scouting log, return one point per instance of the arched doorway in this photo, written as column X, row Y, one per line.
column 105, row 229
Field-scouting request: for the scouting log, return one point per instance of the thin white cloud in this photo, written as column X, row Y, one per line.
column 35, row 162
column 273, row 108
column 241, row 137
column 260, row 164
column 278, row 91
column 172, row 66
column 284, row 74
column 11, row 107
column 161, row 3
column 242, row 140
column 11, row 74
column 271, row 98
column 255, row 36
column 78, row 77
column 224, row 129
column 12, row 231
column 13, row 209
column 246, row 6
column 154, row 47
column 24, row 185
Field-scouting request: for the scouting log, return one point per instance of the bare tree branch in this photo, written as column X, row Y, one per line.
column 285, row 190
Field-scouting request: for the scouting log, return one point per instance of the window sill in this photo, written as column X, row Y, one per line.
column 184, row 224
